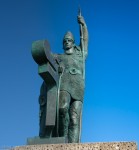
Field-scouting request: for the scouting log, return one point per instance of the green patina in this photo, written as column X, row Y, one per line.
column 62, row 90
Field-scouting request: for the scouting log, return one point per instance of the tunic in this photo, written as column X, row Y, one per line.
column 72, row 78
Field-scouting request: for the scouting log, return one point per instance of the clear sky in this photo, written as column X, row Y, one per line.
column 111, row 102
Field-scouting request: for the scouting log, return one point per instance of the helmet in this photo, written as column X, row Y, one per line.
column 68, row 35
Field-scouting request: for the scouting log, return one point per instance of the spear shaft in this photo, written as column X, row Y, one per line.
column 83, row 59
column 82, row 44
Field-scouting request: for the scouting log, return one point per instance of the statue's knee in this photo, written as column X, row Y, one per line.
column 63, row 106
column 74, row 120
column 64, row 99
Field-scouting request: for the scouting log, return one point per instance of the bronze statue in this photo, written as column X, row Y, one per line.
column 62, row 92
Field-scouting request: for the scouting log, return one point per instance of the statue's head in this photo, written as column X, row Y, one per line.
column 68, row 42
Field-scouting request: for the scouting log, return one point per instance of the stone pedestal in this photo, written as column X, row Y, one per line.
column 82, row 146
column 38, row 140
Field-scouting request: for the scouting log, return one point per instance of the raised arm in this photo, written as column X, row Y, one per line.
column 81, row 21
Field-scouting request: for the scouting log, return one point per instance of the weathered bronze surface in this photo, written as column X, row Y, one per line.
column 62, row 92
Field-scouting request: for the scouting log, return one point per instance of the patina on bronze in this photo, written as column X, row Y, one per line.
column 62, row 92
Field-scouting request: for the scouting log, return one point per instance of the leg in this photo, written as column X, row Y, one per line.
column 42, row 131
column 64, row 102
column 42, row 113
column 74, row 126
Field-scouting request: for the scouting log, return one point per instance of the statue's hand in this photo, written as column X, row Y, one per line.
column 80, row 20
column 60, row 69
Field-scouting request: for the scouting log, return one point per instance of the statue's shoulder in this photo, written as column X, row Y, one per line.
column 78, row 48
column 59, row 57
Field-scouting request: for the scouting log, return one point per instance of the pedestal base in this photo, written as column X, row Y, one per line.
column 38, row 140
column 82, row 146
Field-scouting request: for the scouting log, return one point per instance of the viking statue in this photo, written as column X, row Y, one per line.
column 70, row 69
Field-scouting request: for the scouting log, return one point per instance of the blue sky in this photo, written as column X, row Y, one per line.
column 111, row 102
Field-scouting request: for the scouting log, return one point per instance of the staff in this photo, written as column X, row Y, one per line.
column 83, row 56
column 82, row 43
